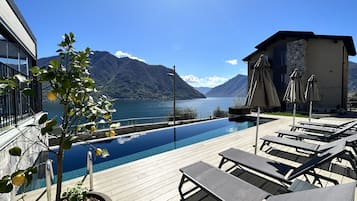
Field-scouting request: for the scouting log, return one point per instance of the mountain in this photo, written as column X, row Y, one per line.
column 203, row 90
column 352, row 77
column 235, row 87
column 125, row 78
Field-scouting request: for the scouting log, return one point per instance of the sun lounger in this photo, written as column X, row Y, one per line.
column 311, row 147
column 338, row 133
column 342, row 192
column 308, row 136
column 326, row 124
column 282, row 172
column 227, row 187
column 347, row 130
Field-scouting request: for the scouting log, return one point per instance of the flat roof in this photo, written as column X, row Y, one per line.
column 347, row 40
column 16, row 28
column 21, row 18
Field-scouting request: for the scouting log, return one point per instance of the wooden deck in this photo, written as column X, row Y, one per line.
column 157, row 177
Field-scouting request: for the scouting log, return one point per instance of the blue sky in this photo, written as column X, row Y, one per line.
column 205, row 39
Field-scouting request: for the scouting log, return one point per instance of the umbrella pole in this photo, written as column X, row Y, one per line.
column 294, row 112
column 256, row 134
column 310, row 111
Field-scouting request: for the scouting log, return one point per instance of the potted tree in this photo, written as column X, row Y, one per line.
column 70, row 84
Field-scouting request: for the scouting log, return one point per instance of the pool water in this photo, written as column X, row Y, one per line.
column 129, row 148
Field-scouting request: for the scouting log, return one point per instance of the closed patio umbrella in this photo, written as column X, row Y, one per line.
column 262, row 92
column 311, row 92
column 294, row 92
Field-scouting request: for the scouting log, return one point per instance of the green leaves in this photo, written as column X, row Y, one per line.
column 35, row 70
column 28, row 92
column 48, row 126
column 15, row 151
column 43, row 119
column 6, row 185
column 67, row 144
column 51, row 123
column 18, row 178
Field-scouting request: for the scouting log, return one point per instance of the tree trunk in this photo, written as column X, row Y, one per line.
column 60, row 154
column 59, row 173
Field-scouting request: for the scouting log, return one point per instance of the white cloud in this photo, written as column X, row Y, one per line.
column 121, row 54
column 205, row 81
column 191, row 79
column 232, row 61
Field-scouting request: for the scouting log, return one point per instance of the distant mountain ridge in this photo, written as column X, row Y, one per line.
column 125, row 78
column 235, row 87
column 203, row 90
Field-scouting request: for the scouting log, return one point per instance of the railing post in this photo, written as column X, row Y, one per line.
column 49, row 178
column 90, row 169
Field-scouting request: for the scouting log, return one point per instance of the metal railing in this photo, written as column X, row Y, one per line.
column 15, row 106
column 50, row 176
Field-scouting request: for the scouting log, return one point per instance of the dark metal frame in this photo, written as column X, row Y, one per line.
column 10, row 112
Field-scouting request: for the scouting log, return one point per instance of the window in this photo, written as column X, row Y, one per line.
column 13, row 104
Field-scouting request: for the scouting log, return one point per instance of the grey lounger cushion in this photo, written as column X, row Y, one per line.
column 342, row 192
column 305, row 145
column 346, row 130
column 277, row 170
column 309, row 136
column 227, row 187
column 221, row 184
column 291, row 143
column 326, row 124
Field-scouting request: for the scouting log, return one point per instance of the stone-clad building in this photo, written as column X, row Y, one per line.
column 326, row 56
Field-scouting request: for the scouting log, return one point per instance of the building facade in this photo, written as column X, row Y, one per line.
column 18, row 53
column 326, row 56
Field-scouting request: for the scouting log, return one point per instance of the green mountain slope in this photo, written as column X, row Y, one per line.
column 125, row 78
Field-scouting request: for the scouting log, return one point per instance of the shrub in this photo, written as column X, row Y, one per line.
column 183, row 114
column 219, row 113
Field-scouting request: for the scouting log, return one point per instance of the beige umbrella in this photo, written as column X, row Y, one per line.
column 311, row 92
column 294, row 92
column 262, row 92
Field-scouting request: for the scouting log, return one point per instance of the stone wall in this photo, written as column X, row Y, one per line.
column 24, row 137
column 296, row 55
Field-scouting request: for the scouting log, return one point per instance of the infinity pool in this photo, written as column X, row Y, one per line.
column 136, row 146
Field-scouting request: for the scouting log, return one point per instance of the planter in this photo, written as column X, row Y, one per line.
column 98, row 196
column 94, row 196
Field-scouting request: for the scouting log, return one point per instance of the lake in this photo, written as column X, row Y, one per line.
column 156, row 108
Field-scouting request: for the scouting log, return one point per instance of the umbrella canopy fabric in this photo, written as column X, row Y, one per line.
column 312, row 91
column 262, row 91
column 294, row 92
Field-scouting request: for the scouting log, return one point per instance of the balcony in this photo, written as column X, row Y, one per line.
column 15, row 106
